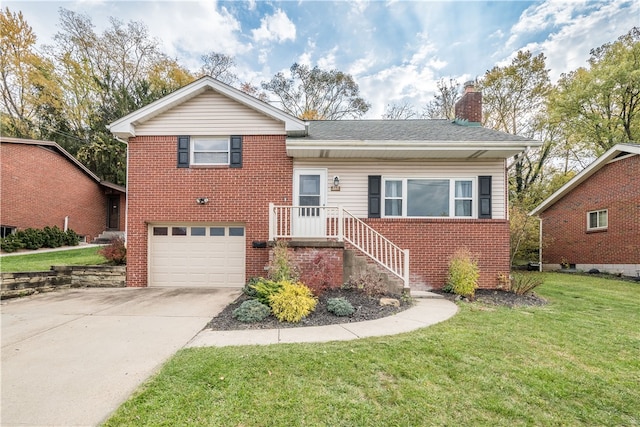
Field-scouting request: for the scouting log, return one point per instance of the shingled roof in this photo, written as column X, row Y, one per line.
column 437, row 130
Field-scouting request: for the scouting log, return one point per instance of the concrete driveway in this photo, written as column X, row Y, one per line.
column 70, row 358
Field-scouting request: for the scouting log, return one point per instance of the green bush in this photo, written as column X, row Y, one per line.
column 32, row 238
column 115, row 252
column 463, row 274
column 265, row 288
column 281, row 266
column 293, row 302
column 54, row 237
column 251, row 311
column 248, row 289
column 11, row 243
column 523, row 283
column 340, row 307
column 71, row 238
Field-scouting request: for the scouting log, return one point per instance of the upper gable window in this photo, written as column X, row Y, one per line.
column 209, row 151
column 598, row 220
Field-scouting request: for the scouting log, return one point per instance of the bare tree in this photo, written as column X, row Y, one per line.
column 219, row 66
column 403, row 111
column 443, row 104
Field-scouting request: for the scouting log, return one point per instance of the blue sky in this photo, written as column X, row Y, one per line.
column 396, row 50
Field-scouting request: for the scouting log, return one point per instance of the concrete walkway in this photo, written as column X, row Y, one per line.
column 429, row 309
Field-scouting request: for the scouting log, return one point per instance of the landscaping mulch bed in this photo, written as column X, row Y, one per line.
column 367, row 308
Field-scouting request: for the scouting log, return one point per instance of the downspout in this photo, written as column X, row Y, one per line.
column 66, row 223
column 126, row 203
column 540, row 245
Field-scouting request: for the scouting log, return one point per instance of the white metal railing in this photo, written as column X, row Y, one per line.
column 335, row 222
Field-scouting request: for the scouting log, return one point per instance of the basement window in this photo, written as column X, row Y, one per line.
column 597, row 220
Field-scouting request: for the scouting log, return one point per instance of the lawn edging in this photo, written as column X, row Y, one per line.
column 18, row 284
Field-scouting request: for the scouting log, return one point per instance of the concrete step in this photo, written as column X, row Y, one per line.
column 425, row 295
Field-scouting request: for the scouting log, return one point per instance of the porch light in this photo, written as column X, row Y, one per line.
column 202, row 200
column 336, row 181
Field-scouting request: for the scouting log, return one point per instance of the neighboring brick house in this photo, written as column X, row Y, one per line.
column 43, row 185
column 593, row 221
column 216, row 175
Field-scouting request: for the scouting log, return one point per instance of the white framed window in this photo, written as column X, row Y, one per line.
column 209, row 150
column 598, row 220
column 429, row 197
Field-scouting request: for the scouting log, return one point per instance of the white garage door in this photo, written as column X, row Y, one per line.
column 196, row 255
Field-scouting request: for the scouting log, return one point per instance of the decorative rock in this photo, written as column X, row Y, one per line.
column 385, row 302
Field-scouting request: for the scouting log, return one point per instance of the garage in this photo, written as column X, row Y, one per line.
column 202, row 255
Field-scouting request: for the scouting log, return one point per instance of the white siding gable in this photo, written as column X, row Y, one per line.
column 211, row 113
column 353, row 194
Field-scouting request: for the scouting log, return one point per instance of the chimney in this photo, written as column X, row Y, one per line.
column 468, row 109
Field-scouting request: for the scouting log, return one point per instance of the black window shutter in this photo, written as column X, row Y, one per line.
column 484, row 199
column 375, row 195
column 235, row 152
column 183, row 151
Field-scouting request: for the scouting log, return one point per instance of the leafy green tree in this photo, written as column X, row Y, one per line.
column 599, row 106
column 315, row 94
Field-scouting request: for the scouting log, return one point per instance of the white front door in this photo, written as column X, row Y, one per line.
column 310, row 193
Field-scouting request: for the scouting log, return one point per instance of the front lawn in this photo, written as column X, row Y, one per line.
column 43, row 261
column 574, row 361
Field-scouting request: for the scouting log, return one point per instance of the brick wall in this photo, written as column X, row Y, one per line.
column 319, row 264
column 469, row 107
column 40, row 187
column 158, row 191
column 615, row 187
column 432, row 242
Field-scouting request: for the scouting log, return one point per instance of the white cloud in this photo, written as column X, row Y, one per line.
column 328, row 61
column 277, row 27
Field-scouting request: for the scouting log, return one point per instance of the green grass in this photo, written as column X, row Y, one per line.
column 575, row 361
column 44, row 261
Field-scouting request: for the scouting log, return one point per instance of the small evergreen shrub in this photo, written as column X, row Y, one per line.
column 115, row 252
column 32, row 238
column 54, row 237
column 71, row 238
column 11, row 243
column 368, row 282
column 265, row 288
column 281, row 266
column 340, row 307
column 523, row 283
column 248, row 289
column 463, row 274
column 293, row 302
column 251, row 311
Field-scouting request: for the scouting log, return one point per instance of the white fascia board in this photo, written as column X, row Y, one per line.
column 125, row 127
column 340, row 145
column 584, row 175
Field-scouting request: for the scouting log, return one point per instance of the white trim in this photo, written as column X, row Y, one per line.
column 192, row 151
column 603, row 160
column 598, row 227
column 126, row 126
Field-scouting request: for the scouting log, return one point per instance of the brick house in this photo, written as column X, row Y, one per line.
column 215, row 176
column 593, row 221
column 43, row 185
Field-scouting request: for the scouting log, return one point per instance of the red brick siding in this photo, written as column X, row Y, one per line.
column 40, row 187
column 432, row 242
column 311, row 261
column 615, row 187
column 158, row 191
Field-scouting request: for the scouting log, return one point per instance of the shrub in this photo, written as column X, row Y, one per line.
column 463, row 274
column 54, row 237
column 293, row 302
column 318, row 278
column 265, row 288
column 115, row 252
column 11, row 243
column 523, row 283
column 32, row 238
column 248, row 289
column 281, row 266
column 368, row 282
column 251, row 311
column 340, row 307
column 71, row 238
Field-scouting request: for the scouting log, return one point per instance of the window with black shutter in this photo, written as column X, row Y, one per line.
column 484, row 197
column 235, row 152
column 183, row 151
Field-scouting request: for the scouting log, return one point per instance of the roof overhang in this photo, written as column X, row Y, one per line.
column 341, row 149
column 125, row 127
column 611, row 155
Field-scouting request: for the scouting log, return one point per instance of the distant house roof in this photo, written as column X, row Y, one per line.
column 125, row 127
column 54, row 146
column 612, row 154
column 404, row 139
